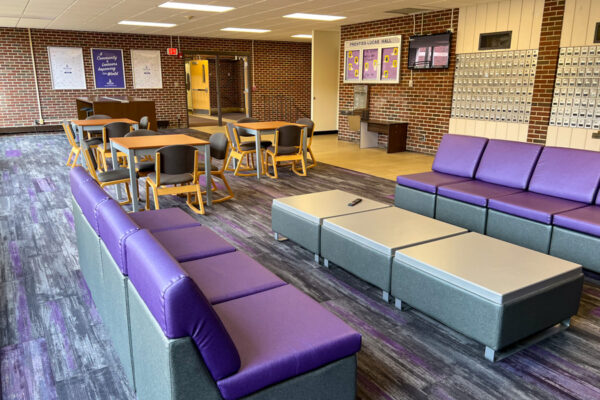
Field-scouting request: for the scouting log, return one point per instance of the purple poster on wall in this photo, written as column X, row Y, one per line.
column 352, row 68
column 389, row 64
column 108, row 68
column 370, row 60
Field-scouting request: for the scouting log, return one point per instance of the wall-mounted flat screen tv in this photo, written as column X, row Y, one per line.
column 429, row 51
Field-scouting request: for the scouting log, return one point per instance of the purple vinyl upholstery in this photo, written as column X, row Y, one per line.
column 178, row 306
column 77, row 176
column 428, row 181
column 229, row 276
column 194, row 242
column 534, row 206
column 475, row 192
column 567, row 173
column 585, row 220
column 281, row 333
column 459, row 155
column 508, row 163
column 90, row 196
column 115, row 228
column 163, row 219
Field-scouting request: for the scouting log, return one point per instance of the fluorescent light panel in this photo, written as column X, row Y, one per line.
column 142, row 23
column 195, row 7
column 246, row 30
column 303, row 36
column 314, row 17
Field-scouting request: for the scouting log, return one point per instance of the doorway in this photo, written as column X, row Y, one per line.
column 199, row 87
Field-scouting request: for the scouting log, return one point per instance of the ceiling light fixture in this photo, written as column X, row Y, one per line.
column 154, row 24
column 246, row 30
column 302, row 36
column 195, row 7
column 314, row 17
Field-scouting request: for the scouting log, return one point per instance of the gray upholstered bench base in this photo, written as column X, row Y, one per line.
column 415, row 200
column 468, row 216
column 173, row 368
column 576, row 247
column 494, row 325
column 520, row 231
column 371, row 266
column 306, row 233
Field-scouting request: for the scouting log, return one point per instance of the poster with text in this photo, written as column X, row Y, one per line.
column 370, row 60
column 66, row 67
column 389, row 64
column 352, row 66
column 147, row 73
column 108, row 68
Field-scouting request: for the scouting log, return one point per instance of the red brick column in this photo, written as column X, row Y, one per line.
column 545, row 73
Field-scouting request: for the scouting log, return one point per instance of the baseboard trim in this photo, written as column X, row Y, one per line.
column 30, row 129
column 325, row 132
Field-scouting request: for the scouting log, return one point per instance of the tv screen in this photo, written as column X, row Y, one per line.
column 429, row 51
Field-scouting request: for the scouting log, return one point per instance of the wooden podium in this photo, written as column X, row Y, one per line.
column 119, row 107
column 396, row 132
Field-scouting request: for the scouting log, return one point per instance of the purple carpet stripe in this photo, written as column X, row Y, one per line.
column 57, row 318
column 372, row 387
column 39, row 374
column 233, row 225
column 34, row 214
column 44, row 185
column 32, row 194
column 23, row 319
column 12, row 153
column 13, row 373
column 15, row 258
column 69, row 217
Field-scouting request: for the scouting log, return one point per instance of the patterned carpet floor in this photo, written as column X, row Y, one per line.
column 53, row 344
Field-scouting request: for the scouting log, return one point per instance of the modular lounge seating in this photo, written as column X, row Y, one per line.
column 218, row 325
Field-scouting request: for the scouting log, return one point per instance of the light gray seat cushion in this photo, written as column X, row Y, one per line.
column 168, row 179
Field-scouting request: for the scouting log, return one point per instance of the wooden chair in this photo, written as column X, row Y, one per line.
column 107, row 178
column 75, row 147
column 240, row 150
column 311, row 131
column 98, row 133
column 218, row 150
column 288, row 147
column 176, row 173
column 112, row 130
column 146, row 164
column 144, row 123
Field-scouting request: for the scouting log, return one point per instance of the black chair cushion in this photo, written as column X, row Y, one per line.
column 145, row 166
column 169, row 179
column 252, row 145
column 113, row 175
column 201, row 167
column 284, row 150
column 93, row 141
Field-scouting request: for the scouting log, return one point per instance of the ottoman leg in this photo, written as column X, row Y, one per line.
column 398, row 304
column 317, row 258
column 490, row 354
column 326, row 263
column 279, row 237
column 385, row 296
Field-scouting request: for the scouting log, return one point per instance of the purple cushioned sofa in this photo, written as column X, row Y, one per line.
column 455, row 161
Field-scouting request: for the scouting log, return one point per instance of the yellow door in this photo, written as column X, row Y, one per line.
column 200, row 86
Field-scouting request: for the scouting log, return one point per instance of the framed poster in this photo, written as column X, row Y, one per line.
column 371, row 55
column 109, row 72
column 147, row 73
column 66, row 67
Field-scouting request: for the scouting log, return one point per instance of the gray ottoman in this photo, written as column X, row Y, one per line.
column 364, row 244
column 492, row 291
column 299, row 218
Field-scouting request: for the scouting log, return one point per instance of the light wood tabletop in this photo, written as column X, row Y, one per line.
column 151, row 142
column 95, row 122
column 267, row 125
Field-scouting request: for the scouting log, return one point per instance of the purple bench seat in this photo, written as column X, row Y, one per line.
column 428, row 181
column 163, row 219
column 279, row 334
column 194, row 242
column 585, row 220
column 476, row 192
column 533, row 206
column 229, row 276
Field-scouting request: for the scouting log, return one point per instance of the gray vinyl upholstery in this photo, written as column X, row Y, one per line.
column 284, row 150
column 576, row 247
column 172, row 179
column 113, row 175
column 305, row 233
column 520, row 231
column 462, row 214
column 143, row 122
column 415, row 200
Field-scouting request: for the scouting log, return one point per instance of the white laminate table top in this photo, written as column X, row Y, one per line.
column 388, row 229
column 319, row 205
column 496, row 270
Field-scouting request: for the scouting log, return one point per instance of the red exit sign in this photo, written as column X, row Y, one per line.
column 172, row 51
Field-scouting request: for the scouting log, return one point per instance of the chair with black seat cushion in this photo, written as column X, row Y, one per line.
column 218, row 150
column 96, row 132
column 288, row 147
column 243, row 133
column 107, row 178
column 240, row 150
column 75, row 147
column 311, row 131
column 144, row 123
column 146, row 164
column 176, row 172
column 112, row 130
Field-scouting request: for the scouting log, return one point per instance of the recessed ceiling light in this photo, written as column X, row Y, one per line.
column 142, row 23
column 314, row 17
column 247, row 30
column 303, row 36
column 195, row 7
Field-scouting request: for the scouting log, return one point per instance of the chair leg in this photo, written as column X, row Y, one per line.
column 156, row 205
column 69, row 158
column 275, row 174
column 312, row 158
column 147, row 195
column 200, row 208
column 74, row 162
column 303, row 163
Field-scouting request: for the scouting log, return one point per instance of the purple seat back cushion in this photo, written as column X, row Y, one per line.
column 180, row 309
column 115, row 227
column 90, row 196
column 77, row 176
column 459, row 155
column 508, row 163
column 567, row 173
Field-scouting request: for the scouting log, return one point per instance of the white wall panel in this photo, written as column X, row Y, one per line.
column 489, row 129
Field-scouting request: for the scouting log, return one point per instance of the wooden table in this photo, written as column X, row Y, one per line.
column 395, row 131
column 269, row 127
column 95, row 124
column 118, row 107
column 139, row 146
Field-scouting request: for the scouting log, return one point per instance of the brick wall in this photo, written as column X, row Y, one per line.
column 426, row 106
column 545, row 74
column 281, row 67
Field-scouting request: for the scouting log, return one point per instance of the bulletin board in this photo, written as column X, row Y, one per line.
column 147, row 73
column 66, row 67
column 372, row 60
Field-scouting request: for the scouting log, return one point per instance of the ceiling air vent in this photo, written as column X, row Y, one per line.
column 408, row 11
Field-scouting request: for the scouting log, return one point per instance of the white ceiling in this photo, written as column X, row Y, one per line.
column 104, row 15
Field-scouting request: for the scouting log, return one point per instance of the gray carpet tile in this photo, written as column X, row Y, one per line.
column 53, row 344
